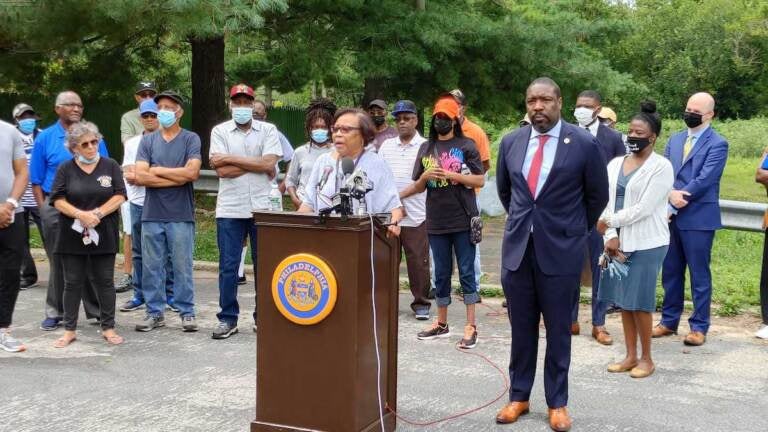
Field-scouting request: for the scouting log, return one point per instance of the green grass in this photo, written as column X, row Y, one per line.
column 738, row 182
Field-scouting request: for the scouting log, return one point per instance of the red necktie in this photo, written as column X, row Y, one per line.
column 535, row 170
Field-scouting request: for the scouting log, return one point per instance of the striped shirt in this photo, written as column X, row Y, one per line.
column 401, row 159
column 28, row 199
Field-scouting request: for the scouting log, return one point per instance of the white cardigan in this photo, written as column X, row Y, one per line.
column 643, row 220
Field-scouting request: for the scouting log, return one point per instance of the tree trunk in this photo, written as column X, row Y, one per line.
column 208, row 88
column 373, row 88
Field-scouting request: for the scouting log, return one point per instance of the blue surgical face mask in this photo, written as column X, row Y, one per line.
column 27, row 125
column 242, row 115
column 166, row 118
column 87, row 161
column 319, row 136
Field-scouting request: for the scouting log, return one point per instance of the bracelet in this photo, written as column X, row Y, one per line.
column 98, row 213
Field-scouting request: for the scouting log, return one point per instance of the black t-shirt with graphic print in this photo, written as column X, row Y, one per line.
column 86, row 192
column 445, row 212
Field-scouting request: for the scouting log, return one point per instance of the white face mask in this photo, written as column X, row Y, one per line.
column 584, row 116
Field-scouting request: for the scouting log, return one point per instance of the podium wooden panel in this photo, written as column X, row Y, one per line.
column 323, row 376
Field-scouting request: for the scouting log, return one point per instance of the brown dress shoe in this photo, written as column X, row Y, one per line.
column 512, row 411
column 602, row 336
column 559, row 420
column 695, row 338
column 661, row 330
column 575, row 329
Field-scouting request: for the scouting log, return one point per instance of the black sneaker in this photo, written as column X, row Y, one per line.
column 241, row 280
column 26, row 284
column 437, row 330
column 469, row 340
column 224, row 330
column 188, row 324
column 150, row 323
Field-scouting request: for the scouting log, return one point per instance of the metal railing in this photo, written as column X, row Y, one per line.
column 737, row 215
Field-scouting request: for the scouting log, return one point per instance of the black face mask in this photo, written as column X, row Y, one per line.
column 637, row 144
column 378, row 120
column 692, row 120
column 442, row 125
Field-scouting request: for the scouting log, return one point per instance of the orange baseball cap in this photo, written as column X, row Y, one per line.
column 447, row 106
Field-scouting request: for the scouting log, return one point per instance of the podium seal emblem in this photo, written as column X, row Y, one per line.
column 304, row 289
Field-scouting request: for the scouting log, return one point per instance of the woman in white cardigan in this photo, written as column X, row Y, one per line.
column 636, row 233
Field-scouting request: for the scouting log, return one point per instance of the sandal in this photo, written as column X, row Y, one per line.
column 114, row 339
column 63, row 342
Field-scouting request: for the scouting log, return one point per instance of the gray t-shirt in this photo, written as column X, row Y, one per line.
column 169, row 204
column 11, row 149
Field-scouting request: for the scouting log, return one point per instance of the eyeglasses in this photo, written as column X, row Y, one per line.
column 146, row 94
column 343, row 129
column 72, row 105
column 91, row 143
column 148, row 115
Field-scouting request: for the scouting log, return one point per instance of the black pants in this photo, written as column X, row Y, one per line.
column 54, row 299
column 80, row 271
column 764, row 281
column 11, row 239
column 28, row 269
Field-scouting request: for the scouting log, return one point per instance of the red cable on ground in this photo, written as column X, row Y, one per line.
column 461, row 414
column 503, row 374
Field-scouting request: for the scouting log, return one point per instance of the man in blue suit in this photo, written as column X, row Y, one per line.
column 611, row 145
column 698, row 157
column 554, row 189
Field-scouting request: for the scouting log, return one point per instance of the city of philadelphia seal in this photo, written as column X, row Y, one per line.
column 304, row 289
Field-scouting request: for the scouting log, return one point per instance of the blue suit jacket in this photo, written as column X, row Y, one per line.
column 567, row 207
column 610, row 143
column 699, row 175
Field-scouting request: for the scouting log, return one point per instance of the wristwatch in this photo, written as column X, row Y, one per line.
column 13, row 202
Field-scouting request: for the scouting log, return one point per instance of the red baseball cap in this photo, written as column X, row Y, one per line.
column 241, row 89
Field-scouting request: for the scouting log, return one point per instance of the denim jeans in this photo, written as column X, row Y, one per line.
column 159, row 242
column 443, row 247
column 229, row 236
column 138, row 295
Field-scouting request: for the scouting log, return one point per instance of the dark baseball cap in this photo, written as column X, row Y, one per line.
column 378, row 103
column 170, row 94
column 404, row 106
column 145, row 86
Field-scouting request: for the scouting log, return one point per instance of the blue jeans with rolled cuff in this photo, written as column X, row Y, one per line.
column 443, row 248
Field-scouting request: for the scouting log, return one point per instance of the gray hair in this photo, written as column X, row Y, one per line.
column 65, row 97
column 78, row 130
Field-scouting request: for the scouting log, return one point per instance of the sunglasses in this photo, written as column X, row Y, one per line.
column 343, row 129
column 91, row 143
column 148, row 115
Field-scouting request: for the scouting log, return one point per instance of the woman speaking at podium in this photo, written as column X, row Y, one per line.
column 352, row 129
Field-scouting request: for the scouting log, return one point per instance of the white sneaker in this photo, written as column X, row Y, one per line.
column 9, row 343
column 762, row 333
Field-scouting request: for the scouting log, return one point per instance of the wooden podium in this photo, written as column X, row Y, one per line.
column 322, row 376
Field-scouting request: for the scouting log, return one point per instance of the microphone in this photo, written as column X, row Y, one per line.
column 347, row 166
column 324, row 178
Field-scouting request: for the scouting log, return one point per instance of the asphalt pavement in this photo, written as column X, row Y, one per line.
column 166, row 380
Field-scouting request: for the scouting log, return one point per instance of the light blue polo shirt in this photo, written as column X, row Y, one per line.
column 50, row 151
